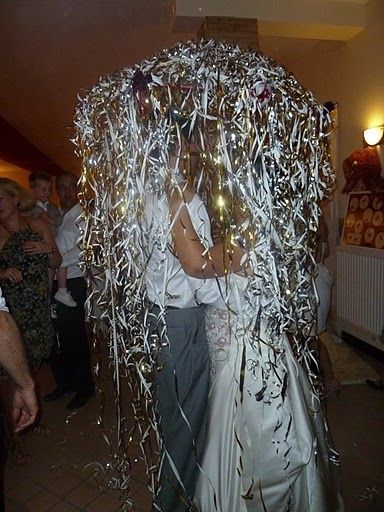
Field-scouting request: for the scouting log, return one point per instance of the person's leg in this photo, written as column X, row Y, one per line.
column 324, row 366
column 330, row 382
column 182, row 386
column 62, row 294
column 80, row 353
column 61, row 359
column 376, row 384
column 71, row 362
column 3, row 458
column 323, row 282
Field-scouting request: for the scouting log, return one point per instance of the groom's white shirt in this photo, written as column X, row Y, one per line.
column 167, row 283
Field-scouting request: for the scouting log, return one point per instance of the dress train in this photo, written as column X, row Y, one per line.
column 266, row 449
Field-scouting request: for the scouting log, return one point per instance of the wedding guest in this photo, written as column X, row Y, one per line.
column 71, row 364
column 323, row 282
column 27, row 250
column 40, row 184
column 23, row 400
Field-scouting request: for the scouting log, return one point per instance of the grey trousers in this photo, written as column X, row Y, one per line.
column 182, row 386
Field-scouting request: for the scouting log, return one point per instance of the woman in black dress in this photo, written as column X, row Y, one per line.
column 27, row 250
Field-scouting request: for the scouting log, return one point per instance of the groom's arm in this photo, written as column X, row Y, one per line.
column 197, row 260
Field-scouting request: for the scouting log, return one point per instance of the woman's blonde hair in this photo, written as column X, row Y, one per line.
column 10, row 188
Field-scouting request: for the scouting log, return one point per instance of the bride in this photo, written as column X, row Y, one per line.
column 266, row 449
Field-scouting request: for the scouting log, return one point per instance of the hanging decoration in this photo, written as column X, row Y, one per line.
column 263, row 152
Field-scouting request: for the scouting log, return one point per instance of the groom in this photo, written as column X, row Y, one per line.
column 182, row 379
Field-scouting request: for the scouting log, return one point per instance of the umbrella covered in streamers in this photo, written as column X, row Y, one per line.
column 263, row 168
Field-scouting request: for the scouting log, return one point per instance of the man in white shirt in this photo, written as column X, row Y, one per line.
column 24, row 403
column 71, row 366
column 182, row 381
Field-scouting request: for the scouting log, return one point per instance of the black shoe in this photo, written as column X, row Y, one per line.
column 56, row 394
column 79, row 400
column 376, row 384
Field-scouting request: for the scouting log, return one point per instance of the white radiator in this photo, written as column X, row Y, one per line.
column 360, row 293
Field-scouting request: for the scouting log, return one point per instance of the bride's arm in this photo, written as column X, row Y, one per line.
column 197, row 260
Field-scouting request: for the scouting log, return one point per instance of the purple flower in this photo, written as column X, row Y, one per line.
column 140, row 81
column 262, row 91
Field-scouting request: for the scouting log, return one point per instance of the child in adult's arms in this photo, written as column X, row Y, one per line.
column 40, row 184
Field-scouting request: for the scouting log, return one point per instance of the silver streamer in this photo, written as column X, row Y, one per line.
column 264, row 152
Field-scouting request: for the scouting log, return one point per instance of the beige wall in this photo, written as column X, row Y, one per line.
column 351, row 74
column 15, row 173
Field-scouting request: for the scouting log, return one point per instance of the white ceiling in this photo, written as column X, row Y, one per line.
column 53, row 49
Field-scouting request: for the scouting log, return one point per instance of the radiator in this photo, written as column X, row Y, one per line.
column 360, row 293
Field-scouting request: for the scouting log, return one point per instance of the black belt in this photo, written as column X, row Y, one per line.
column 165, row 307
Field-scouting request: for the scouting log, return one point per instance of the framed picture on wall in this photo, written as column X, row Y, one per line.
column 364, row 220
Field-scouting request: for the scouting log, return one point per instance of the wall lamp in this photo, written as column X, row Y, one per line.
column 374, row 136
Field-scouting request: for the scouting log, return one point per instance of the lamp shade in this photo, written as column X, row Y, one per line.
column 374, row 136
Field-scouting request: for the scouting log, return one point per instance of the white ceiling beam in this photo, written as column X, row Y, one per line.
column 311, row 19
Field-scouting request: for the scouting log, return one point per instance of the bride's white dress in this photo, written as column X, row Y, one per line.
column 266, row 448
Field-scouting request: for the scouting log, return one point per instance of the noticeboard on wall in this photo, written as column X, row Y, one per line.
column 364, row 221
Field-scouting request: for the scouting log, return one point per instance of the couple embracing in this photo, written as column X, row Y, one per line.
column 242, row 430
